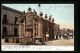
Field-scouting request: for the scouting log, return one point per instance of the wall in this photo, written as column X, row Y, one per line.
column 11, row 18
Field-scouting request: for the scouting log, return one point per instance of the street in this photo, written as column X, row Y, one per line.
column 59, row 42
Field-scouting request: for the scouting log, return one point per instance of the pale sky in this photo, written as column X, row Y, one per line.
column 63, row 14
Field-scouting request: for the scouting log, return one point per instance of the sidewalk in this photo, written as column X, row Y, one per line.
column 4, row 43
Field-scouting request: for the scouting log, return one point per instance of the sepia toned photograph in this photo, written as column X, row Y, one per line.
column 37, row 25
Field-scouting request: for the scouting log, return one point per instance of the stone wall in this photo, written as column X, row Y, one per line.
column 10, row 19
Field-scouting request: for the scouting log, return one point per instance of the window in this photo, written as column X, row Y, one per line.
column 15, row 31
column 16, row 20
column 4, row 29
column 4, row 18
column 4, row 33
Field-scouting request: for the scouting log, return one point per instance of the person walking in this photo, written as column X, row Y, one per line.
column 56, row 36
column 60, row 36
column 47, row 36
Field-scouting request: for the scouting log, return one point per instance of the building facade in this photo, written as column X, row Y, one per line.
column 33, row 26
column 56, row 29
column 66, row 31
column 9, row 18
column 27, row 26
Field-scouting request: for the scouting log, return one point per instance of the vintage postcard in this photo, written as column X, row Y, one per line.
column 37, row 27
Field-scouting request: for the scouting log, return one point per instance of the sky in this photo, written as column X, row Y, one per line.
column 63, row 14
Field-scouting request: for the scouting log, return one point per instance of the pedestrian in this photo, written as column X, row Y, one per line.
column 66, row 36
column 47, row 35
column 60, row 36
column 56, row 36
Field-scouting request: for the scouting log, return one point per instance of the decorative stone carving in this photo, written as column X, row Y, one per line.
column 49, row 17
column 53, row 20
column 41, row 14
column 45, row 15
column 23, row 12
column 29, row 9
column 35, row 11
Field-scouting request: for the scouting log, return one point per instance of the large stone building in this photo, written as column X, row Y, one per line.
column 35, row 27
column 9, row 18
column 30, row 25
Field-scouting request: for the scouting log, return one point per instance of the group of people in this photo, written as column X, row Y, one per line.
column 68, row 36
column 58, row 36
column 65, row 36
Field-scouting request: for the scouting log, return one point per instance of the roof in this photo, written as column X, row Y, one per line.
column 10, row 9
